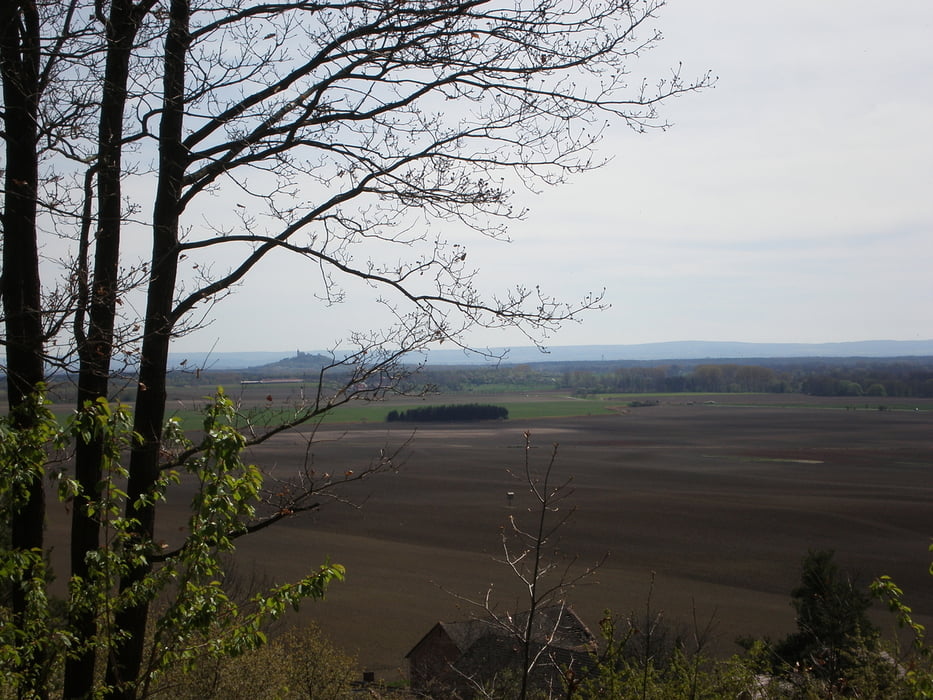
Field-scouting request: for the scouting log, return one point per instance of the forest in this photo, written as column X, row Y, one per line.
column 900, row 377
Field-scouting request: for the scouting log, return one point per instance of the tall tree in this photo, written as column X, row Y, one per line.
column 341, row 133
column 95, row 338
column 20, row 68
column 832, row 620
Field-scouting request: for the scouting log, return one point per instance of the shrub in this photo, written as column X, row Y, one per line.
column 299, row 664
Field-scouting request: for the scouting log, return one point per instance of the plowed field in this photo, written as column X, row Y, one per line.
column 720, row 501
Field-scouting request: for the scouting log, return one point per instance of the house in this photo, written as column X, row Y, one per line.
column 456, row 659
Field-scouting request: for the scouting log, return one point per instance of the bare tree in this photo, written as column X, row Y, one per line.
column 530, row 554
column 341, row 133
column 541, row 623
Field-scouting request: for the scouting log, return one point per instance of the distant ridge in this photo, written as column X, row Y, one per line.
column 673, row 350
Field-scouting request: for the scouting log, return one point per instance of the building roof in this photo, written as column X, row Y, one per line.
column 556, row 626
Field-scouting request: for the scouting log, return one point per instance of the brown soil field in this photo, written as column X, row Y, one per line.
column 721, row 502
column 717, row 502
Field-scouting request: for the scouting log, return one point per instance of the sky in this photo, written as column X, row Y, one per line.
column 791, row 202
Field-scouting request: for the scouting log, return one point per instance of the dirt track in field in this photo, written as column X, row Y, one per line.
column 721, row 502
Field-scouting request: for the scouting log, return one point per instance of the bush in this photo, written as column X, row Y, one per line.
column 642, row 657
column 300, row 663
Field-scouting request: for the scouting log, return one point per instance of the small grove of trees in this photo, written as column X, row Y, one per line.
column 450, row 412
column 156, row 153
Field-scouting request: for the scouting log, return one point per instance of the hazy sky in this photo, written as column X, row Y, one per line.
column 793, row 202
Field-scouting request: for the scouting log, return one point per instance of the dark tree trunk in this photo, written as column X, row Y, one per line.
column 96, row 352
column 126, row 662
column 19, row 67
column 19, row 55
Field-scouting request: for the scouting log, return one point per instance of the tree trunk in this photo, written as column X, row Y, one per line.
column 149, row 417
column 19, row 68
column 96, row 352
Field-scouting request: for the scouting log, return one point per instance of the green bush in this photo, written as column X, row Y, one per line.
column 296, row 665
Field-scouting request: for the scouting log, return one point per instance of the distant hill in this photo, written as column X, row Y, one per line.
column 262, row 361
column 301, row 361
column 675, row 350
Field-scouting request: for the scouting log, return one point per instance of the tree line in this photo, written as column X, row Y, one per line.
column 449, row 413
column 881, row 378
column 819, row 377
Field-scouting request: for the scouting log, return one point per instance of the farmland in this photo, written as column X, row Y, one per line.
column 716, row 497
column 720, row 496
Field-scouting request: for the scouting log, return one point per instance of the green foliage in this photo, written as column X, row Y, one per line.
column 27, row 436
column 639, row 658
column 199, row 618
column 688, row 674
column 29, row 644
column 918, row 664
column 299, row 664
